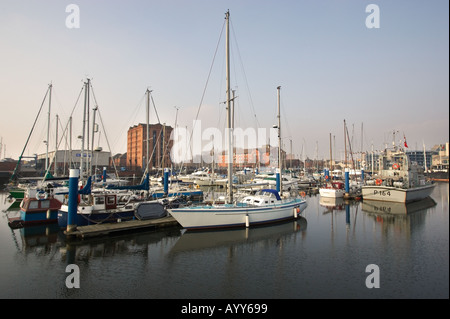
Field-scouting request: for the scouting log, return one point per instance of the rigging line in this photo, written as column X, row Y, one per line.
column 65, row 132
column 29, row 135
column 206, row 85
column 245, row 76
column 154, row 106
column 104, row 129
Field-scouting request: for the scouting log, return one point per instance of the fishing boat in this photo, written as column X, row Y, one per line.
column 398, row 179
column 333, row 189
column 264, row 207
column 39, row 206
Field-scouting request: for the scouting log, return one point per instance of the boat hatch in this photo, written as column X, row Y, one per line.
column 110, row 202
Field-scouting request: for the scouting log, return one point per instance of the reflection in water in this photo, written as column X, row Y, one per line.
column 302, row 259
column 190, row 241
column 381, row 207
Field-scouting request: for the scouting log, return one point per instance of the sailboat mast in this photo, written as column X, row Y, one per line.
column 86, row 106
column 148, row 131
column 279, row 136
column 48, row 125
column 229, row 119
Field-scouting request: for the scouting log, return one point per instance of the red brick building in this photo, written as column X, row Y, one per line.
column 160, row 145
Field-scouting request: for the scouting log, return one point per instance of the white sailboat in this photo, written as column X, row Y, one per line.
column 264, row 207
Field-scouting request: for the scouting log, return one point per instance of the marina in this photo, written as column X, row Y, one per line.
column 174, row 181
column 322, row 254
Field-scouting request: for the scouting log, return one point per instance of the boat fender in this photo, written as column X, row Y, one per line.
column 41, row 195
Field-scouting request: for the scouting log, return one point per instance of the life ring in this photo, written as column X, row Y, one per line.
column 302, row 194
column 326, row 176
column 395, row 166
column 378, row 182
column 41, row 195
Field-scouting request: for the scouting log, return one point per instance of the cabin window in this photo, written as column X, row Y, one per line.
column 45, row 203
column 266, row 202
column 257, row 201
column 99, row 200
column 33, row 204
column 110, row 200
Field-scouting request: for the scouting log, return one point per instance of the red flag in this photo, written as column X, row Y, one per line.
column 406, row 145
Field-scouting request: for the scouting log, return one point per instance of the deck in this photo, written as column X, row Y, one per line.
column 126, row 226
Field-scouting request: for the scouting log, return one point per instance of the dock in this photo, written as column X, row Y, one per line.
column 107, row 229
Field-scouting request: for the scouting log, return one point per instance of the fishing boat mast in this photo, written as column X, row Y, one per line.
column 279, row 137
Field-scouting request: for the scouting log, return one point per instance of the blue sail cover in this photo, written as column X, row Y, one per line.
column 273, row 191
column 86, row 190
column 144, row 186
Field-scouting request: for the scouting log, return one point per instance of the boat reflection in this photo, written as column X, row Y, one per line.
column 393, row 208
column 190, row 241
column 332, row 203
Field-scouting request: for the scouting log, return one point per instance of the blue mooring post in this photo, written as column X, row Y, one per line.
column 347, row 181
column 73, row 200
column 278, row 181
column 104, row 175
column 166, row 181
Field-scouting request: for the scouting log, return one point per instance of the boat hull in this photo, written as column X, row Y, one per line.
column 334, row 193
column 94, row 218
column 224, row 216
column 393, row 194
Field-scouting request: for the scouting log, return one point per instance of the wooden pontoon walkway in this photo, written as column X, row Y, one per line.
column 110, row 228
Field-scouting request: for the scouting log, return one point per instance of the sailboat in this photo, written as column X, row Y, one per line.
column 266, row 206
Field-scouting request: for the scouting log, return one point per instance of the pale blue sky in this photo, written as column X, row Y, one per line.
column 330, row 66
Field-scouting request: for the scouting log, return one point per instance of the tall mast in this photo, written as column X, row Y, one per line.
column 48, row 126
column 148, row 130
column 86, row 107
column 229, row 119
column 345, row 147
column 279, row 137
column 331, row 159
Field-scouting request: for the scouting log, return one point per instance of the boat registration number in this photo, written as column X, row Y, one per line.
column 382, row 193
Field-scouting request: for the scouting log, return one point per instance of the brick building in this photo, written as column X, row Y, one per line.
column 160, row 145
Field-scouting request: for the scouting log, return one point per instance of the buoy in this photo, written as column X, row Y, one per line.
column 41, row 195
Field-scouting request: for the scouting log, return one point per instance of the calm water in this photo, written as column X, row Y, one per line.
column 323, row 255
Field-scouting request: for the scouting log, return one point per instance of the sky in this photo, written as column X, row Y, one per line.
column 331, row 63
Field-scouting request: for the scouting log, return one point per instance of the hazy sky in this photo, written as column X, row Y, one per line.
column 330, row 66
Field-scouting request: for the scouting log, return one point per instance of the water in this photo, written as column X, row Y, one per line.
column 323, row 255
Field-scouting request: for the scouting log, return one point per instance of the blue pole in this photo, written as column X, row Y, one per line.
column 278, row 181
column 347, row 181
column 362, row 175
column 73, row 200
column 166, row 181
column 104, row 174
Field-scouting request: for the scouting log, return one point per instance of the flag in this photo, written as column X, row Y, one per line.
column 404, row 138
